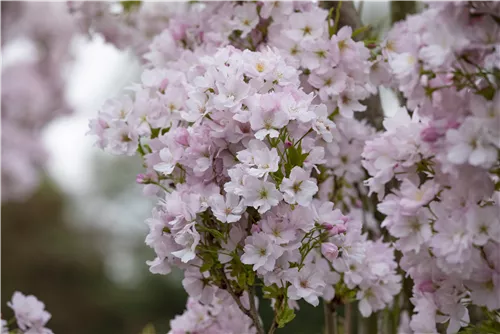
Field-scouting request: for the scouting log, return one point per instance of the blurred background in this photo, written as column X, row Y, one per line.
column 76, row 241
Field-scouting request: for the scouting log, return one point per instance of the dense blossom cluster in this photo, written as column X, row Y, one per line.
column 30, row 315
column 32, row 90
column 222, row 315
column 248, row 150
column 444, row 209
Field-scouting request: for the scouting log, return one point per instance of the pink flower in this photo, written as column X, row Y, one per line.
column 30, row 313
column 299, row 188
column 261, row 251
column 329, row 250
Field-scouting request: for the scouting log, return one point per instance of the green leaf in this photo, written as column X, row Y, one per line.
column 242, row 279
column 251, row 278
column 149, row 329
column 271, row 291
column 488, row 93
column 285, row 317
column 156, row 132
column 129, row 6
column 360, row 30
column 207, row 264
column 212, row 231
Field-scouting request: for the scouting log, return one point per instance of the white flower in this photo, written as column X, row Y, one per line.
column 261, row 251
column 413, row 231
column 195, row 286
column 322, row 125
column 227, row 210
column 484, row 224
column 168, row 162
column 246, row 18
column 237, row 183
column 4, row 328
column 261, row 195
column 403, row 64
column 267, row 116
column 189, row 238
column 415, row 197
column 258, row 155
column 278, row 230
column 468, row 144
column 307, row 284
column 30, row 313
column 299, row 188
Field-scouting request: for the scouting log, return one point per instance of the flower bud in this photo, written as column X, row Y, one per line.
column 255, row 228
column 329, row 250
column 181, row 136
column 426, row 286
column 338, row 229
column 140, row 178
column 429, row 134
column 163, row 85
column 327, row 226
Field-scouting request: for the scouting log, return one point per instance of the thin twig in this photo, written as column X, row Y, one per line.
column 253, row 311
column 328, row 318
column 347, row 318
column 273, row 326
column 233, row 294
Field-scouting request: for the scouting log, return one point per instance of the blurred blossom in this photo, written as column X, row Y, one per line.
column 32, row 90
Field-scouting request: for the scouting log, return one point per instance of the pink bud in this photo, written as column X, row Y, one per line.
column 327, row 226
column 255, row 228
column 163, row 84
column 452, row 124
column 338, row 229
column 329, row 250
column 288, row 144
column 429, row 134
column 345, row 219
column 426, row 286
column 182, row 136
column 140, row 178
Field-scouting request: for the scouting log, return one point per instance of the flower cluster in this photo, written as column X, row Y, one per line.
column 32, row 90
column 30, row 314
column 441, row 163
column 222, row 316
column 247, row 151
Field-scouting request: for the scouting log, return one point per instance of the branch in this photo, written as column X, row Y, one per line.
column 253, row 311
column 249, row 313
column 274, row 325
column 330, row 314
column 347, row 318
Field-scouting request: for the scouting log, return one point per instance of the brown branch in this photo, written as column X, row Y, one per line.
column 347, row 318
column 273, row 326
column 252, row 315
column 253, row 311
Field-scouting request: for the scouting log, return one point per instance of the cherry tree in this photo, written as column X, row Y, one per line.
column 258, row 130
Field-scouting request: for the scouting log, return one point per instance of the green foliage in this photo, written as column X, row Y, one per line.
column 130, row 6
column 285, row 316
column 490, row 325
column 149, row 329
